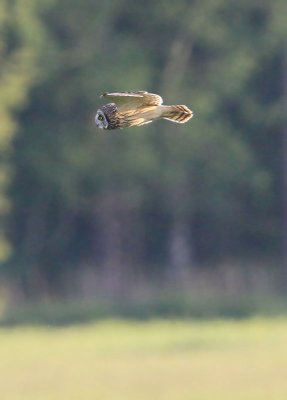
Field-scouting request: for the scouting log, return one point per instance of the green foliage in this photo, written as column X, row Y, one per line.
column 216, row 176
column 173, row 306
column 20, row 34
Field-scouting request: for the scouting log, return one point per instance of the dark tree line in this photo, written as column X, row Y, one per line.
column 150, row 201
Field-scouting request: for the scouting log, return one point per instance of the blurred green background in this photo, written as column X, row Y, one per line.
column 145, row 214
column 179, row 226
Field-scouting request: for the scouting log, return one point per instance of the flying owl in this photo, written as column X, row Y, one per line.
column 137, row 108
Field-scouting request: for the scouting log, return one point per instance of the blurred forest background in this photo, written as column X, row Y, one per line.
column 195, row 209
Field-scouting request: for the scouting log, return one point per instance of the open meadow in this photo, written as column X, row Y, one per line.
column 162, row 360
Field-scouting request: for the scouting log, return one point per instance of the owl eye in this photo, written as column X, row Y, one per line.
column 100, row 118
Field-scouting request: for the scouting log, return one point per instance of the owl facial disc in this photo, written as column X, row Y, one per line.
column 101, row 120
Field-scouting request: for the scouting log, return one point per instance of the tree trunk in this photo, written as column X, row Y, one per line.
column 179, row 244
column 118, row 230
column 180, row 252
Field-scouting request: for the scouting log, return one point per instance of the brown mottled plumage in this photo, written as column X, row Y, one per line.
column 137, row 108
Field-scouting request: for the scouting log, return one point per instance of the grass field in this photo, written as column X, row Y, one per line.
column 162, row 360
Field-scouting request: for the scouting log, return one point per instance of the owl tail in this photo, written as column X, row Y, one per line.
column 179, row 114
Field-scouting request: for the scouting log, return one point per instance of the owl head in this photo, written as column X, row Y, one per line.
column 101, row 120
column 106, row 117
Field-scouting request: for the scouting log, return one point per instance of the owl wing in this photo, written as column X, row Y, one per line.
column 133, row 100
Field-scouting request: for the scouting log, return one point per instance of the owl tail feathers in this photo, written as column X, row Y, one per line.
column 179, row 114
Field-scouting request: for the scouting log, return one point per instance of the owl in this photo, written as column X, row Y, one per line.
column 137, row 108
